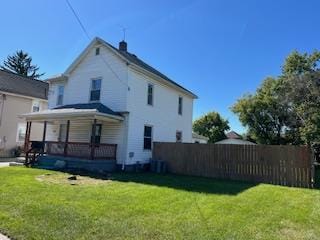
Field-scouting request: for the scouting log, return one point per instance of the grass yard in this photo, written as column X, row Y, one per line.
column 149, row 206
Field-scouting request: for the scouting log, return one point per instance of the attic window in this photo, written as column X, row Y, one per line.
column 97, row 51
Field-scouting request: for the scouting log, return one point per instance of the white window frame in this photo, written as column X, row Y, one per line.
column 180, row 97
column 58, row 94
column 97, row 51
column 35, row 103
column 24, row 126
column 152, row 96
column 146, row 149
column 91, row 81
column 178, row 131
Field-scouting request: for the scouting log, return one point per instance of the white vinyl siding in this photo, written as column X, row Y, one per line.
column 162, row 116
column 107, row 66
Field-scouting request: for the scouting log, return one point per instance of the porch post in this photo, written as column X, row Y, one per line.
column 67, row 139
column 93, row 138
column 27, row 137
column 44, row 135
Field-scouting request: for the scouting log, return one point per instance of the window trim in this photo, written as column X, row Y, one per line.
column 58, row 94
column 17, row 136
column 38, row 105
column 180, row 97
column 97, row 51
column 90, row 89
column 181, row 140
column 146, row 149
column 152, row 96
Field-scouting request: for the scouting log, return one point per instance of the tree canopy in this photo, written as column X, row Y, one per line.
column 285, row 109
column 211, row 125
column 21, row 63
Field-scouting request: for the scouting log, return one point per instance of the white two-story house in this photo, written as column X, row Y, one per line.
column 110, row 105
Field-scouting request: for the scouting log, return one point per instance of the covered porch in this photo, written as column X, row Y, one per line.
column 82, row 131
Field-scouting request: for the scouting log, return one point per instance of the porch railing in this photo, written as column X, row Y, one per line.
column 82, row 150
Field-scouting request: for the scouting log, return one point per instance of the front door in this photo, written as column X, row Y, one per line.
column 97, row 138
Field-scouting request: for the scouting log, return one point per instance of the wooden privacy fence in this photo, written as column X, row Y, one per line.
column 281, row 165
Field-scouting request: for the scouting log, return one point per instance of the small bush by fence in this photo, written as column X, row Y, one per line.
column 281, row 165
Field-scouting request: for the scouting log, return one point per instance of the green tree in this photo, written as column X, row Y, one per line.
column 267, row 118
column 285, row 109
column 299, row 63
column 211, row 125
column 21, row 63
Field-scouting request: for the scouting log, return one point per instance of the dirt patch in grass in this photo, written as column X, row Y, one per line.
column 68, row 179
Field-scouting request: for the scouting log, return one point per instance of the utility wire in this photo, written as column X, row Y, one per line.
column 78, row 19
column 88, row 36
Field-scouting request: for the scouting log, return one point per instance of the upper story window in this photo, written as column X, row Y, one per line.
column 150, row 94
column 180, row 105
column 95, row 90
column 178, row 136
column 97, row 51
column 147, row 138
column 35, row 106
column 60, row 95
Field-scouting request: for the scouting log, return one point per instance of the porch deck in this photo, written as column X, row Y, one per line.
column 82, row 150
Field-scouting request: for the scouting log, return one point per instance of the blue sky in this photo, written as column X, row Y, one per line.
column 219, row 49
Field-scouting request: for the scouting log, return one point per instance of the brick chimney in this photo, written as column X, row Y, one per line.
column 123, row 46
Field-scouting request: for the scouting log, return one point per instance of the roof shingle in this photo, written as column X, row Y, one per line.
column 98, row 106
column 18, row 84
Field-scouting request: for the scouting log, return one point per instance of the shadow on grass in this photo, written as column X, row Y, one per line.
column 180, row 182
column 186, row 183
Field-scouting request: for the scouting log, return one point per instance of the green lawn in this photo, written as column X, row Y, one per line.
column 149, row 206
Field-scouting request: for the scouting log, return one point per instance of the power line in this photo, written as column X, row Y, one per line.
column 78, row 19
column 88, row 36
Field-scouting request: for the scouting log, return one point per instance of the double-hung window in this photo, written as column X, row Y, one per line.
column 180, row 105
column 35, row 106
column 60, row 95
column 95, row 90
column 147, row 139
column 178, row 136
column 150, row 95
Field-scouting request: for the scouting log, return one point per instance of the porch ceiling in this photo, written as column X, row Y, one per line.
column 70, row 114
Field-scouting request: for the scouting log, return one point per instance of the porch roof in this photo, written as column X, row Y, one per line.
column 75, row 111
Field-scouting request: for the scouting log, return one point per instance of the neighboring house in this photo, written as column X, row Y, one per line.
column 234, row 138
column 111, row 98
column 18, row 95
column 197, row 138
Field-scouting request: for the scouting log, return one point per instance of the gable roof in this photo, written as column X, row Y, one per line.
column 197, row 135
column 18, row 84
column 97, row 106
column 233, row 135
column 131, row 59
